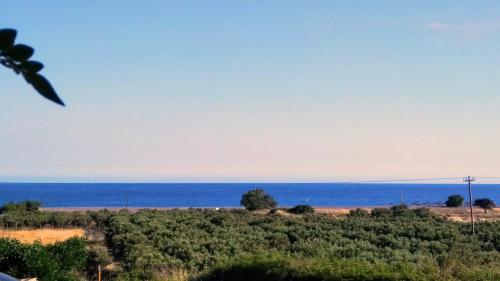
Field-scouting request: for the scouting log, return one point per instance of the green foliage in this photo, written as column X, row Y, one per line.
column 390, row 244
column 276, row 267
column 21, row 207
column 301, row 209
column 381, row 213
column 16, row 57
column 26, row 214
column 485, row 204
column 455, row 201
column 54, row 262
column 412, row 240
column 358, row 213
column 257, row 199
column 399, row 210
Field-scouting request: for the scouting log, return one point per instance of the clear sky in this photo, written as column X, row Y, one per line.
column 254, row 91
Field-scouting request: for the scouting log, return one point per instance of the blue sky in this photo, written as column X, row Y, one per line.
column 254, row 90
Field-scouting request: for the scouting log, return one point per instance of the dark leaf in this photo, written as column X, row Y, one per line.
column 20, row 52
column 42, row 85
column 7, row 38
column 32, row 66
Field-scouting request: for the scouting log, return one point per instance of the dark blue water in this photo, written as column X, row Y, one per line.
column 229, row 194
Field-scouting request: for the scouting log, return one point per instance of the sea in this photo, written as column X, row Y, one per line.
column 228, row 195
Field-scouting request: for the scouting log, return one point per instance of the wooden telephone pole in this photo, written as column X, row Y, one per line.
column 470, row 179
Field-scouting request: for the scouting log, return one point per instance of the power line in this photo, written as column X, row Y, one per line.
column 410, row 180
column 489, row 178
column 407, row 180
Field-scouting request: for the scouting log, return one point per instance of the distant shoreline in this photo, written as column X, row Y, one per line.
column 318, row 208
column 453, row 214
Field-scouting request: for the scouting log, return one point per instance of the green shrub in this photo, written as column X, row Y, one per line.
column 358, row 213
column 257, row 199
column 275, row 267
column 381, row 213
column 54, row 262
column 24, row 206
column 485, row 203
column 301, row 209
column 400, row 210
column 455, row 201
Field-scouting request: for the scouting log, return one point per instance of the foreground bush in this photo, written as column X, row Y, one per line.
column 60, row 261
column 276, row 267
column 281, row 268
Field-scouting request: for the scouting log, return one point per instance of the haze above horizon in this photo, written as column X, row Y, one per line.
column 254, row 91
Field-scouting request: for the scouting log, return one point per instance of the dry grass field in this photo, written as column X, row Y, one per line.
column 44, row 235
column 463, row 214
column 337, row 211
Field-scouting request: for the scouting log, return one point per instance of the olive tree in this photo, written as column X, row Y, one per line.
column 455, row 201
column 485, row 203
column 257, row 199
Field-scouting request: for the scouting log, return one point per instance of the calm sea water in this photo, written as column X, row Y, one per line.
column 229, row 194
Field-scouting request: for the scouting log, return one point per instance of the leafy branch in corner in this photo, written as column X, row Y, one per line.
column 16, row 57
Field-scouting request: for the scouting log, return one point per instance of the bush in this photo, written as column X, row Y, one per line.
column 485, row 204
column 301, row 209
column 455, row 201
column 25, row 206
column 358, row 213
column 400, row 210
column 381, row 213
column 275, row 267
column 56, row 262
column 257, row 199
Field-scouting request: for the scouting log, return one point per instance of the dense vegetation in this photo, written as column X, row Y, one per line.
column 386, row 244
column 417, row 244
column 25, row 206
column 61, row 261
column 455, row 201
column 27, row 214
column 257, row 199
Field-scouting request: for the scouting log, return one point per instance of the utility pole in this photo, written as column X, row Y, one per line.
column 470, row 179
